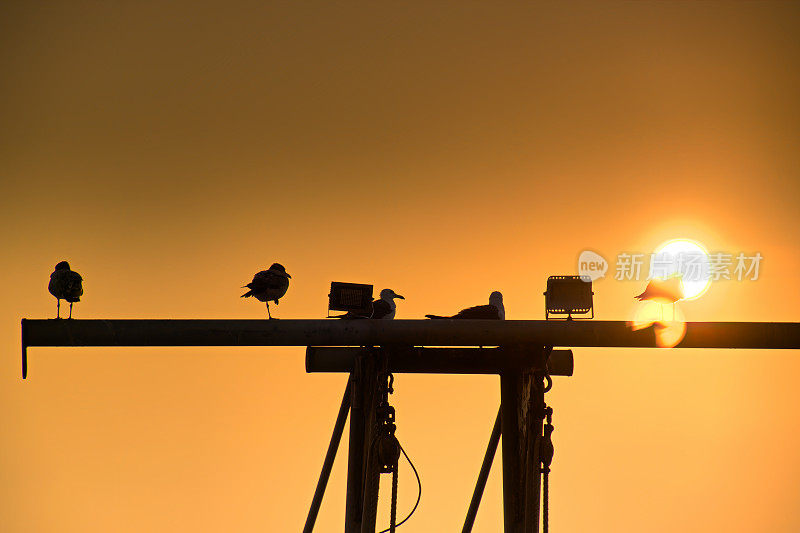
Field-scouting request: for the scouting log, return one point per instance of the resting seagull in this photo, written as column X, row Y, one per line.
column 384, row 308
column 493, row 311
column 65, row 284
column 381, row 309
column 268, row 285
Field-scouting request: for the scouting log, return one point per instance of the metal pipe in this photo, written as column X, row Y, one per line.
column 409, row 359
column 575, row 333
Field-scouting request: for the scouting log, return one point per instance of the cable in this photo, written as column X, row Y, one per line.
column 419, row 490
column 393, row 513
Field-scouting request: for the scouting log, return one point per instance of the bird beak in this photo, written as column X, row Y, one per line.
column 398, row 296
column 288, row 276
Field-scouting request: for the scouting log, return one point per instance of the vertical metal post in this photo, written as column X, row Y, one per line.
column 533, row 471
column 372, row 472
column 355, row 455
column 513, row 488
column 521, row 396
column 359, row 503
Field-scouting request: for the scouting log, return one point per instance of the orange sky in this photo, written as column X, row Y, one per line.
column 445, row 151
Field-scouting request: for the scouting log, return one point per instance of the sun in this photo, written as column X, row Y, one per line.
column 687, row 258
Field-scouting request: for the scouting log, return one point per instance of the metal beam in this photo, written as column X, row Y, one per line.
column 780, row 335
column 408, row 359
column 53, row 332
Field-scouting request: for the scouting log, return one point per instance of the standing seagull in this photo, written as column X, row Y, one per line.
column 383, row 308
column 494, row 311
column 65, row 284
column 663, row 291
column 269, row 285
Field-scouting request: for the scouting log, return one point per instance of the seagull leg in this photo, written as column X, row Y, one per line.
column 58, row 308
column 70, row 310
column 268, row 313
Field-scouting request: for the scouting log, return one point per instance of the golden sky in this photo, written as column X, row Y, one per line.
column 445, row 150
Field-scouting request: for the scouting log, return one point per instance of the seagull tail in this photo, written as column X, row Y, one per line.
column 247, row 294
column 437, row 317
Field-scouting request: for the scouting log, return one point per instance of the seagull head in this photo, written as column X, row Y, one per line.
column 278, row 269
column 389, row 295
column 63, row 265
column 496, row 299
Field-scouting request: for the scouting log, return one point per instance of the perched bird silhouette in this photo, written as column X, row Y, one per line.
column 65, row 284
column 268, row 285
column 382, row 309
column 495, row 310
column 663, row 291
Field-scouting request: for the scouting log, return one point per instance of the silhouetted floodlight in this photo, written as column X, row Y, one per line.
column 568, row 295
column 356, row 297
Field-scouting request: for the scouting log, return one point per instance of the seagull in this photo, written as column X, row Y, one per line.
column 382, row 308
column 268, row 285
column 663, row 291
column 65, row 284
column 493, row 311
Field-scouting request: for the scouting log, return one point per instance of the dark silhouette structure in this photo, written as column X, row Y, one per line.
column 268, row 285
column 369, row 350
column 65, row 284
column 494, row 311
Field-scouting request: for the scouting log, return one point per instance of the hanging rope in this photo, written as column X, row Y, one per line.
column 386, row 449
column 419, row 491
column 546, row 452
column 393, row 512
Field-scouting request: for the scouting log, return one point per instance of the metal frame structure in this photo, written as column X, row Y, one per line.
column 524, row 359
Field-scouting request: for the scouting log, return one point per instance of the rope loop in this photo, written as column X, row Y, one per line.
column 548, row 383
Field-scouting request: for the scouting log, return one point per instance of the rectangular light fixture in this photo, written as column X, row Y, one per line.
column 356, row 297
column 568, row 295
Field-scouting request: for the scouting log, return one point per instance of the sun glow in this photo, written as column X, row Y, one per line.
column 686, row 258
column 667, row 321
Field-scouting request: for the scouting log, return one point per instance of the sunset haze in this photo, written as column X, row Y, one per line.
column 445, row 150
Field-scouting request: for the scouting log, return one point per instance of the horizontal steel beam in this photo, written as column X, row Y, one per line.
column 440, row 360
column 322, row 332
column 598, row 333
